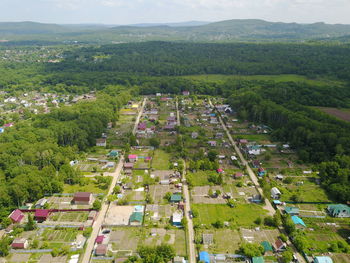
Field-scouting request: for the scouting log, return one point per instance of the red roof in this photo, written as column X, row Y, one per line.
column 99, row 239
column 132, row 156
column 219, row 170
column 42, row 213
column 16, row 216
column 82, row 195
column 128, row 165
column 279, row 243
column 238, row 175
column 101, row 249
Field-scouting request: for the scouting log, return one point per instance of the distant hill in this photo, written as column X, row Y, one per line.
column 224, row 31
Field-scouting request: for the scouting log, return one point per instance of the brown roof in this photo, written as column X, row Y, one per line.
column 82, row 194
column 101, row 249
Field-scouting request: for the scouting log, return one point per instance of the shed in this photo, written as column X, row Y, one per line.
column 101, row 142
column 132, row 158
column 82, row 198
column 177, row 218
column 323, row 259
column 41, row 203
column 113, row 153
column 101, row 250
column 41, row 214
column 19, row 243
column 16, row 216
column 99, row 239
column 267, row 246
column 204, row 257
column 136, row 218
column 128, row 165
column 175, row 198
column 275, row 193
column 280, row 245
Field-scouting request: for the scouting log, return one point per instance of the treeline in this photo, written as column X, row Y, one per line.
column 35, row 154
column 174, row 59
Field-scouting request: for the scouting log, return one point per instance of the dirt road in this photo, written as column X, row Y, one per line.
column 139, row 116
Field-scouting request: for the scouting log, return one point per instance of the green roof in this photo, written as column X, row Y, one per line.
column 136, row 217
column 291, row 210
column 258, row 260
column 339, row 208
column 113, row 153
column 267, row 246
column 175, row 198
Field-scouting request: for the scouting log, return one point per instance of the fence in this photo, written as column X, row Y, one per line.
column 58, row 210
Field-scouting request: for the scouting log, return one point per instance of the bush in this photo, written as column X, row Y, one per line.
column 97, row 205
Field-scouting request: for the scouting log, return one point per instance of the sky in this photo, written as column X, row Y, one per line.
column 158, row 11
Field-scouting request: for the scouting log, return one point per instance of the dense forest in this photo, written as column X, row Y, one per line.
column 35, row 153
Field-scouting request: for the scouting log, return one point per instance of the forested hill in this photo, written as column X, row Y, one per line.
column 173, row 59
column 223, row 31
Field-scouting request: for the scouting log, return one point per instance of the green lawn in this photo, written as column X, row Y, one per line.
column 225, row 241
column 161, row 160
column 199, row 178
column 254, row 137
column 90, row 186
column 308, row 192
column 242, row 215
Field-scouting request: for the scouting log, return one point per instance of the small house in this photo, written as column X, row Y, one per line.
column 220, row 171
column 323, row 259
column 204, row 257
column 243, row 141
column 194, row 135
column 19, row 243
column 132, row 158
column 41, row 215
column 267, row 246
column 82, row 198
column 142, row 126
column 212, row 143
column 256, row 164
column 16, row 216
column 298, row 222
column 292, row 211
column 101, row 250
column 175, row 198
column 186, row 93
column 128, row 166
column 258, row 260
column 177, row 218
column 136, row 219
column 41, row 203
column 275, row 193
column 99, row 239
column 113, row 154
column 102, row 142
column 238, row 175
column 280, row 245
column 261, row 171
column 339, row 210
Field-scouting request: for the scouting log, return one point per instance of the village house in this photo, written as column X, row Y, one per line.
column 128, row 166
column 41, row 215
column 212, row 143
column 82, row 198
column 194, row 135
column 275, row 193
column 142, row 126
column 177, row 218
column 339, row 210
column 186, row 93
column 132, row 158
column 16, row 216
column 101, row 250
column 175, row 198
column 20, row 243
column 280, row 245
column 102, row 142
column 136, row 219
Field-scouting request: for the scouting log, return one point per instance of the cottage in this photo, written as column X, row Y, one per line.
column 212, row 143
column 41, row 215
column 323, row 259
column 99, row 239
column 101, row 250
column 256, row 164
column 132, row 158
column 82, row 198
column 275, row 193
column 219, row 135
column 16, row 216
column 142, row 126
column 261, row 171
column 298, row 222
column 102, row 142
column 19, row 243
column 280, row 245
column 136, row 218
column 164, row 182
column 113, row 154
column 169, row 127
column 339, row 210
column 177, row 218
column 292, row 211
column 243, row 141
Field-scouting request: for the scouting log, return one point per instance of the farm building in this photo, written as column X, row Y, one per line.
column 323, row 259
column 339, row 210
column 41, row 214
column 102, row 142
column 177, row 218
column 16, row 216
column 292, row 211
column 298, row 222
column 19, row 243
column 275, row 193
column 82, row 198
column 101, row 250
column 204, row 257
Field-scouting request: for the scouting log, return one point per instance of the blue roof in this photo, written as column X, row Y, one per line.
column 204, row 256
column 298, row 221
column 277, row 202
column 323, row 260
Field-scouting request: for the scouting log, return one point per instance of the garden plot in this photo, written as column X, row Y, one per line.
column 118, row 215
column 57, row 202
column 341, row 257
column 47, row 258
column 258, row 236
column 224, row 241
column 69, row 217
column 158, row 192
column 125, row 239
column 161, row 160
column 162, row 174
column 160, row 212
column 59, row 236
column 20, row 257
column 200, row 195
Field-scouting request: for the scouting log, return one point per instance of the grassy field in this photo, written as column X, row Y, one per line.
column 161, row 160
column 200, row 178
column 91, row 186
column 254, row 137
column 242, row 215
column 308, row 192
column 342, row 114
column 276, row 78
column 225, row 241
